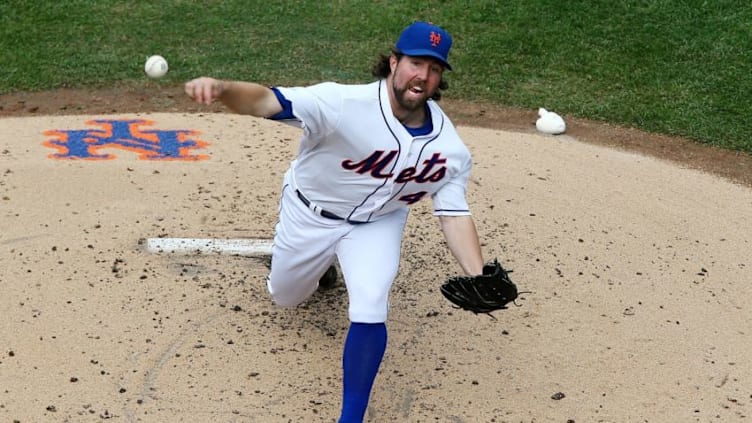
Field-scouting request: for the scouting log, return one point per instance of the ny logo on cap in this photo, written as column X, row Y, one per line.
column 435, row 39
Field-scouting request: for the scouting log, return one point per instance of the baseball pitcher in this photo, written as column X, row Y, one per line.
column 366, row 154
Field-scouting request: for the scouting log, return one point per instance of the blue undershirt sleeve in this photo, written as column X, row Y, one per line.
column 286, row 112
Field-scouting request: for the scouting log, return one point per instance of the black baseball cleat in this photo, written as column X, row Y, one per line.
column 329, row 279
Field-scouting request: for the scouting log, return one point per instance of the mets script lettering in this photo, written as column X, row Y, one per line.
column 149, row 144
column 378, row 161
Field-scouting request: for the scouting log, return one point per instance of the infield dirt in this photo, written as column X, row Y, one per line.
column 636, row 248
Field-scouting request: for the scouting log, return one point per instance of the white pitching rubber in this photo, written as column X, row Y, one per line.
column 240, row 246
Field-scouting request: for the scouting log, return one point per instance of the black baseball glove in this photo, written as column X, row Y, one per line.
column 485, row 293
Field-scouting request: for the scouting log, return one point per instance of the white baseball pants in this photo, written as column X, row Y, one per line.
column 306, row 244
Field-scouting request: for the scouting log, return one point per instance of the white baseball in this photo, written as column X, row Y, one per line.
column 156, row 66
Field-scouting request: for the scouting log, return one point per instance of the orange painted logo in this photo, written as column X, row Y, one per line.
column 124, row 134
column 435, row 39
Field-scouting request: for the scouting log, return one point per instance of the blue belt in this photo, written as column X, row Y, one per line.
column 322, row 212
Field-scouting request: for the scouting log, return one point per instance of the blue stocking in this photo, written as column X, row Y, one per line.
column 364, row 349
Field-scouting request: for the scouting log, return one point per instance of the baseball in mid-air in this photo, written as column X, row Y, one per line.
column 156, row 66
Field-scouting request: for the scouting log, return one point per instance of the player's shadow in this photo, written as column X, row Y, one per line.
column 325, row 312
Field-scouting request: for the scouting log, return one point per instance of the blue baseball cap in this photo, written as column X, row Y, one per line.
column 425, row 39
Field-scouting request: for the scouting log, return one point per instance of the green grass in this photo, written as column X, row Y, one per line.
column 674, row 67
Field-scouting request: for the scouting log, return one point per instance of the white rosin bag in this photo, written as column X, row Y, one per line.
column 550, row 122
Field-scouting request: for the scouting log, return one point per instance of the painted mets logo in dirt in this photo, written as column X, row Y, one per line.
column 125, row 134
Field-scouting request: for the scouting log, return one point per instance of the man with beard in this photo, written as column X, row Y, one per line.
column 367, row 153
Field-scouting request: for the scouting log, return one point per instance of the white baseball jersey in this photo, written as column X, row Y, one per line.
column 356, row 160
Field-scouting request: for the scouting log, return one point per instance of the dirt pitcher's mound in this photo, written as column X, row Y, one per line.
column 639, row 272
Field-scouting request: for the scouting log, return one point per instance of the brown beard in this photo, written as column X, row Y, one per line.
column 399, row 95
